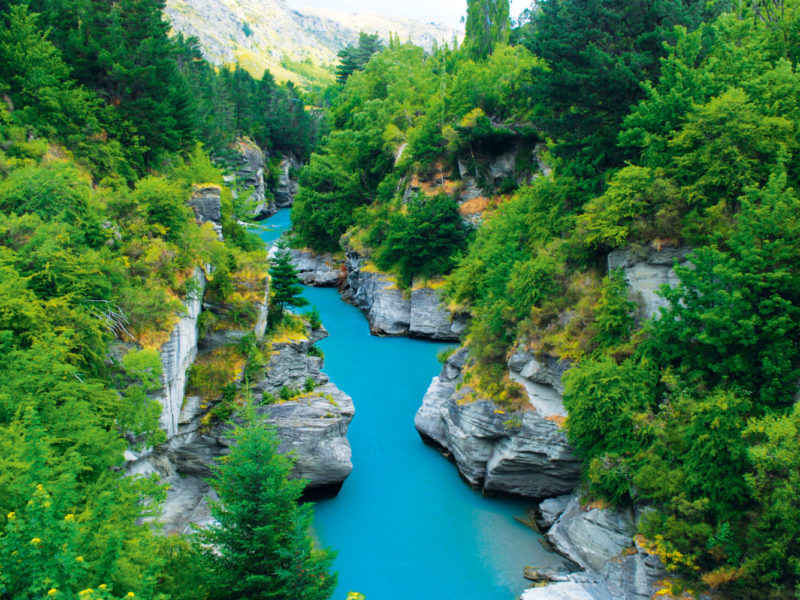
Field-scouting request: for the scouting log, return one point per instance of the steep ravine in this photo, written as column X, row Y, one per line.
column 526, row 453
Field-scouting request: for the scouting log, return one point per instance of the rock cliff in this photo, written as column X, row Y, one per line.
column 320, row 270
column 206, row 202
column 248, row 178
column 177, row 355
column 522, row 453
column 618, row 565
column 394, row 312
column 646, row 270
column 287, row 185
column 312, row 426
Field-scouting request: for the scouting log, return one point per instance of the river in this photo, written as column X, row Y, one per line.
column 405, row 525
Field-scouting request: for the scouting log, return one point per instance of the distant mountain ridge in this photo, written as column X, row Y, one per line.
column 294, row 46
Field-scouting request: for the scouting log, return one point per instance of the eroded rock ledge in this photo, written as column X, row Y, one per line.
column 523, row 453
column 393, row 311
column 617, row 565
column 312, row 426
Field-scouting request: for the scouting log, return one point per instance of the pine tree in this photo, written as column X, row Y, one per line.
column 261, row 548
column 286, row 287
column 487, row 26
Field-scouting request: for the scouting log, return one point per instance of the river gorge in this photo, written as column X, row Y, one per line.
column 404, row 524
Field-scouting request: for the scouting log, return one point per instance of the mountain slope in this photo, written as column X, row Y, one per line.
column 294, row 46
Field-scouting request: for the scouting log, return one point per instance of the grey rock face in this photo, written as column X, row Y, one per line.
column 523, row 454
column 646, row 271
column 600, row 540
column 551, row 509
column 206, row 202
column 388, row 309
column 290, row 365
column 287, row 182
column 177, row 355
column 249, row 175
column 541, row 377
column 570, row 590
column 321, row 270
column 314, row 428
column 591, row 537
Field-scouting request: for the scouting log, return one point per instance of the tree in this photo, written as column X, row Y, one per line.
column 286, row 287
column 354, row 58
column 488, row 25
column 261, row 548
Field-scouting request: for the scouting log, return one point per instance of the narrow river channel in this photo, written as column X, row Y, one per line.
column 405, row 526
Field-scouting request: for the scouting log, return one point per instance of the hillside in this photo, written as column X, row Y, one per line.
column 294, row 46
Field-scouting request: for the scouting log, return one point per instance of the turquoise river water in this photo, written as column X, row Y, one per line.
column 405, row 525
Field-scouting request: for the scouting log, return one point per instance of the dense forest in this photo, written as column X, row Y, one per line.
column 106, row 122
column 635, row 125
column 665, row 124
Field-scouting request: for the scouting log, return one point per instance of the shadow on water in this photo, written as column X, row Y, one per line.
column 404, row 523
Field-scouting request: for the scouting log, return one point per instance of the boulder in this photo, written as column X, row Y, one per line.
column 646, row 270
column 523, row 453
column 618, row 565
column 570, row 590
column 394, row 312
column 320, row 270
column 314, row 429
column 206, row 202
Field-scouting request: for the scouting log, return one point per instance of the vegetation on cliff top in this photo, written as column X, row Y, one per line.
column 101, row 123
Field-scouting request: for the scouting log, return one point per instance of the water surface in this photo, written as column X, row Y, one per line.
column 405, row 525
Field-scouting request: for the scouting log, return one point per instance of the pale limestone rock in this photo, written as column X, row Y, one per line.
column 522, row 453
column 591, row 537
column 646, row 270
column 287, row 186
column 391, row 311
column 177, row 355
column 320, row 270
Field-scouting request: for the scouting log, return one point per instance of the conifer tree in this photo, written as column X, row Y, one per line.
column 261, row 547
column 487, row 26
column 286, row 287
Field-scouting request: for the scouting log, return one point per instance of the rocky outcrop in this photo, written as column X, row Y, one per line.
column 206, row 202
column 646, row 270
column 591, row 537
column 248, row 178
column 395, row 312
column 287, row 186
column 312, row 427
column 618, row 565
column 177, row 355
column 524, row 453
column 320, row 270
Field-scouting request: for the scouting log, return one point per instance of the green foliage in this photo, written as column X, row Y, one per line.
column 614, row 312
column 424, row 238
column 261, row 545
column 598, row 55
column 733, row 316
column 286, row 289
column 487, row 26
column 314, row 319
column 354, row 58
